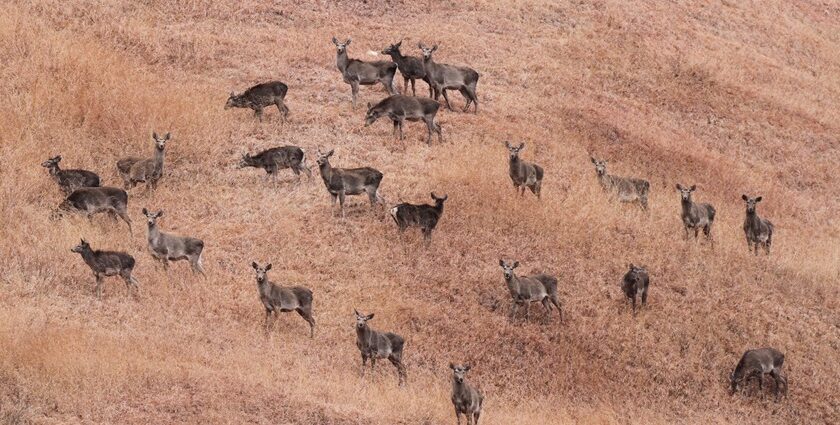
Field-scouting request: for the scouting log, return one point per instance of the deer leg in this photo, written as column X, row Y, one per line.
column 396, row 125
column 354, row 89
column 413, row 90
column 471, row 92
column 633, row 299
column 258, row 112
column 427, row 236
column 556, row 303
column 430, row 127
column 475, row 417
column 196, row 265
column 528, row 311
column 341, row 202
column 405, row 84
column 396, row 360
column 98, row 285
column 306, row 313
column 458, row 415
column 364, row 364
column 402, row 136
column 467, row 98
column 446, row 98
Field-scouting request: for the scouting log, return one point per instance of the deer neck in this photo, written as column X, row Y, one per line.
column 459, row 388
column 512, row 283
column 515, row 164
column 159, row 158
column 154, row 232
column 605, row 180
column 326, row 171
column 341, row 61
column 428, row 63
column 686, row 205
column 363, row 334
column 54, row 170
column 88, row 256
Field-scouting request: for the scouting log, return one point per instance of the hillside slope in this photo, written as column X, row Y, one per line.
column 736, row 98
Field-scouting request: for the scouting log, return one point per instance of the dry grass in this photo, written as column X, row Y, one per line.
column 735, row 98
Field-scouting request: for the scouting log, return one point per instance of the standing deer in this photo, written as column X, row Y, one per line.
column 757, row 363
column 107, row 263
column 378, row 345
column 260, row 96
column 166, row 247
column 465, row 397
column 278, row 158
column 356, row 72
column 410, row 67
column 626, row 189
column 135, row 170
column 92, row 200
column 281, row 299
column 400, row 108
column 759, row 231
column 530, row 289
column 70, row 180
column 524, row 174
column 423, row 216
column 635, row 282
column 442, row 77
column 349, row 181
column 695, row 216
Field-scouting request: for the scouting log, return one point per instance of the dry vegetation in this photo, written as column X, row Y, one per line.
column 737, row 98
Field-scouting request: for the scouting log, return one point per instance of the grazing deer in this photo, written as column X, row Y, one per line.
column 757, row 363
column 70, row 180
column 135, row 170
column 524, row 174
column 349, row 181
column 400, row 108
column 759, row 231
column 166, row 247
column 695, row 216
column 465, row 397
column 636, row 282
column 92, row 200
column 627, row 189
column 356, row 72
column 278, row 158
column 423, row 216
column 259, row 97
column 442, row 77
column 410, row 67
column 378, row 345
column 281, row 299
column 530, row 289
column 107, row 263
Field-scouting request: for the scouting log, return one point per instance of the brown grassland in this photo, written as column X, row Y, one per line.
column 734, row 96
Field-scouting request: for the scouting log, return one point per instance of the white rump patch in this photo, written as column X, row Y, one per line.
column 372, row 53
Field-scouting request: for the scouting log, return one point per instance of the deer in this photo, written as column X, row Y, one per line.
column 757, row 363
column 466, row 398
column 341, row 182
column 530, row 289
column 278, row 158
column 759, row 231
column 282, row 299
column 107, row 263
column 261, row 96
column 400, row 108
column 523, row 174
column 442, row 77
column 379, row 345
column 166, row 247
column 635, row 282
column 70, row 180
column 423, row 216
column 93, row 200
column 695, row 216
column 135, row 170
column 357, row 72
column 410, row 67
column 626, row 189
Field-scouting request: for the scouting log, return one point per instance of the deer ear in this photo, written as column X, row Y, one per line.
column 335, row 41
column 501, row 262
column 268, row 267
column 369, row 316
column 507, row 144
column 515, row 264
column 445, row 197
column 593, row 160
column 330, row 153
column 679, row 186
column 434, row 47
column 758, row 199
column 57, row 158
column 369, row 105
column 433, row 195
column 232, row 93
column 254, row 265
column 356, row 312
column 145, row 211
column 168, row 136
column 631, row 266
column 347, row 43
column 159, row 214
column 154, row 135
column 399, row 43
column 693, row 187
column 420, row 46
column 467, row 367
column 451, row 366
column 521, row 146
column 744, row 197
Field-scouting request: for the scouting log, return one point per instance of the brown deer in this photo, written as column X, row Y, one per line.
column 757, row 363
column 135, row 170
column 423, row 216
column 695, row 216
column 356, row 72
column 636, row 282
column 759, row 231
column 530, row 289
column 281, row 299
column 524, row 174
column 274, row 159
column 70, row 180
column 261, row 96
column 378, row 345
column 107, row 263
column 93, row 200
column 443, row 77
column 626, row 189
column 466, row 398
column 166, row 247
column 400, row 108
column 349, row 181
column 410, row 67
